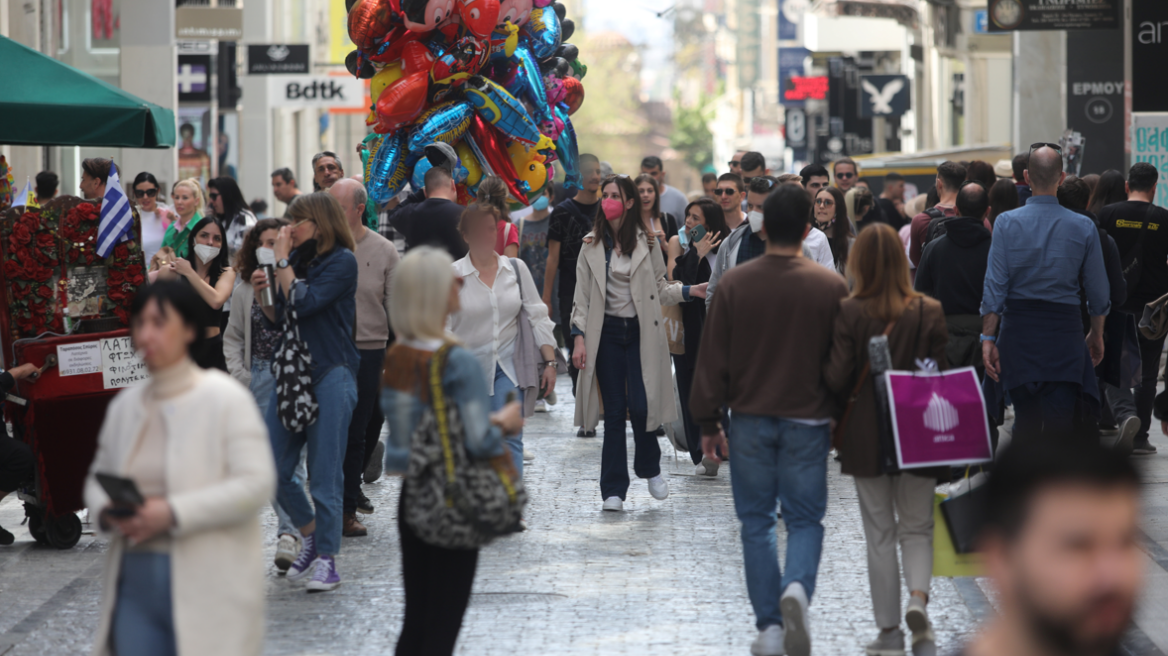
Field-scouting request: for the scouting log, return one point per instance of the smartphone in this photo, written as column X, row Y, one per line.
column 696, row 235
column 122, row 491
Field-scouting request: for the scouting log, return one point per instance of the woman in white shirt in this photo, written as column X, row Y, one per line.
column 494, row 290
column 155, row 216
column 620, row 345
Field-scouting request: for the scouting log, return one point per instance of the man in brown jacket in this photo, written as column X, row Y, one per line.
column 766, row 338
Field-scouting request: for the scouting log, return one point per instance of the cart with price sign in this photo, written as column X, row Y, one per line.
column 67, row 313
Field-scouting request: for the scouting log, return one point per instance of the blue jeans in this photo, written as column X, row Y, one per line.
column 326, row 438
column 782, row 461
column 618, row 374
column 263, row 384
column 143, row 621
column 502, row 386
column 1044, row 408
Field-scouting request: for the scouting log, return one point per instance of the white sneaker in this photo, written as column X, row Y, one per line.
column 769, row 642
column 540, row 406
column 528, row 456
column 287, row 549
column 707, row 467
column 613, row 504
column 793, row 606
column 658, row 487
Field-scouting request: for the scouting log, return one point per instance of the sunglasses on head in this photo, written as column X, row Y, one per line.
column 139, row 193
column 725, row 192
column 1042, row 144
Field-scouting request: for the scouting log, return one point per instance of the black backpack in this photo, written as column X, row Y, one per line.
column 937, row 225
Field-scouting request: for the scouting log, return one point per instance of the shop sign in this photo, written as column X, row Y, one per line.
column 277, row 58
column 1011, row 15
column 316, row 91
column 1149, row 51
column 1149, row 143
column 223, row 23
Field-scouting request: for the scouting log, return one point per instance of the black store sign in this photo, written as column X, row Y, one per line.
column 277, row 58
column 1010, row 15
column 1095, row 96
column 1149, row 52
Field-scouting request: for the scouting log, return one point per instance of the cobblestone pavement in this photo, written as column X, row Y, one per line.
column 664, row 577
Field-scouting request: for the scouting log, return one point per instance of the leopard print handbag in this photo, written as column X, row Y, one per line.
column 295, row 398
column 453, row 501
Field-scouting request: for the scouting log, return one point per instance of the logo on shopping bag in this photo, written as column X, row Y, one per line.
column 940, row 415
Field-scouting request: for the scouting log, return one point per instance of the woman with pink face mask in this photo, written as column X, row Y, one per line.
column 620, row 346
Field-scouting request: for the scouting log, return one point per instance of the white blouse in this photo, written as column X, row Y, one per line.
column 488, row 321
column 618, row 292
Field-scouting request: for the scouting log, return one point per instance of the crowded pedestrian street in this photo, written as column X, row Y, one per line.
column 663, row 578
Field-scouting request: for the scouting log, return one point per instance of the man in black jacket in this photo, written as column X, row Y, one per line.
column 16, row 458
column 952, row 270
column 433, row 221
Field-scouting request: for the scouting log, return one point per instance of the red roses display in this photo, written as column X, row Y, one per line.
column 30, row 268
column 124, row 271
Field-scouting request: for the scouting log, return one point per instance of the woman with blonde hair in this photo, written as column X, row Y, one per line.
column 492, row 192
column 188, row 205
column 424, row 295
column 495, row 293
column 895, row 506
column 316, row 273
column 620, row 345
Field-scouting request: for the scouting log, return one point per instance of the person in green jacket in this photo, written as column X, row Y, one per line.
column 188, row 204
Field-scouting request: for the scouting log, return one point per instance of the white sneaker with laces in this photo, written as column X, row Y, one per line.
column 658, row 487
column 769, row 642
column 541, row 406
column 528, row 456
column 613, row 504
column 287, row 549
column 793, row 606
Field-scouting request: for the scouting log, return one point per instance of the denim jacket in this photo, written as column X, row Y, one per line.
column 407, row 373
column 326, row 305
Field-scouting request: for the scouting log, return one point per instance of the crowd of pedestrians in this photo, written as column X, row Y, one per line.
column 453, row 320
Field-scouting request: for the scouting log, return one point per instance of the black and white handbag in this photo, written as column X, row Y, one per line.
column 295, row 398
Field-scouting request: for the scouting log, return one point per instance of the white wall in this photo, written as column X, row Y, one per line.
column 851, row 33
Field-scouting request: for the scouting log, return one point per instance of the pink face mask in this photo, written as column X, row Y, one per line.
column 612, row 208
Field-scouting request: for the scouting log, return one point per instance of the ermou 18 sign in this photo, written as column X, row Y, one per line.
column 316, row 91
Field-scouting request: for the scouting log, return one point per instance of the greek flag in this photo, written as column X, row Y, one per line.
column 116, row 219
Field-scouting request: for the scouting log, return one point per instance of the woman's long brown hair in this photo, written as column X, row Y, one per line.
column 631, row 228
column 245, row 259
column 879, row 268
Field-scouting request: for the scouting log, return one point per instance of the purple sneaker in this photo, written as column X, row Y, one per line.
column 324, row 575
column 302, row 566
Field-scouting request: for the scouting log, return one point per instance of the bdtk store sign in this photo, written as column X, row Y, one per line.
column 316, row 91
column 1010, row 15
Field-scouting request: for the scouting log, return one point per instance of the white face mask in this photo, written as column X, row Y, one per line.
column 206, row 253
column 755, row 219
column 265, row 256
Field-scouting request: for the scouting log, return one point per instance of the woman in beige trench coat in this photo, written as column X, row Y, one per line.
column 620, row 346
column 184, row 573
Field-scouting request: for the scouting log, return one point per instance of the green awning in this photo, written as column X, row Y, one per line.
column 44, row 102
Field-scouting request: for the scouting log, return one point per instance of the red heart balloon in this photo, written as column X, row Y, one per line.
column 402, row 102
column 574, row 97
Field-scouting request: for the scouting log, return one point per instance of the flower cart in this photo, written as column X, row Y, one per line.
column 67, row 312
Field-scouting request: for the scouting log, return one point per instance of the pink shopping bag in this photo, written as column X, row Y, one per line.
column 938, row 419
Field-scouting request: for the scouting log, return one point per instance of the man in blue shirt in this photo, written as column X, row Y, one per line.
column 1039, row 254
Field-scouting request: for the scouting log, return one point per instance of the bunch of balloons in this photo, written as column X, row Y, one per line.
column 495, row 79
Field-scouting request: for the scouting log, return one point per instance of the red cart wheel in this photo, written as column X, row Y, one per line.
column 63, row 532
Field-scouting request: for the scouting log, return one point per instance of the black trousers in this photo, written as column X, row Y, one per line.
column 368, row 393
column 1145, row 393
column 684, row 369
column 438, row 583
column 16, row 464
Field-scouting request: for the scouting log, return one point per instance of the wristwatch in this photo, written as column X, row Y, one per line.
column 282, row 264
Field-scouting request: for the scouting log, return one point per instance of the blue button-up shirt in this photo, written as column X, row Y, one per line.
column 1040, row 252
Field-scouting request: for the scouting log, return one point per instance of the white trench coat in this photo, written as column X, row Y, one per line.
column 650, row 291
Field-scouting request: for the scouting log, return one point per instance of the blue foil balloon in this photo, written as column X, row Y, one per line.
column 543, row 32
column 501, row 109
column 447, row 123
column 387, row 173
column 534, row 89
column 569, row 156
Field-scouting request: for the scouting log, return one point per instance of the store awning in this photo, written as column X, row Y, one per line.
column 44, row 102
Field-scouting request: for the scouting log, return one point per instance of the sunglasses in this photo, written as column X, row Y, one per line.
column 213, row 196
column 725, row 192
column 845, row 175
column 139, row 193
column 824, row 202
column 734, row 163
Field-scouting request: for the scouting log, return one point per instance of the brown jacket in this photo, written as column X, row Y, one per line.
column 919, row 333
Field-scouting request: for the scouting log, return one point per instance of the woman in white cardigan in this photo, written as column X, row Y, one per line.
column 184, row 572
column 620, row 345
column 494, row 291
column 249, row 346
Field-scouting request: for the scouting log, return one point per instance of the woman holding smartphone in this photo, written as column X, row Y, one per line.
column 194, row 446
column 616, row 321
column 691, row 264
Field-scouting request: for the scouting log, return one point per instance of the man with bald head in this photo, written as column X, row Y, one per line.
column 1032, row 330
column 376, row 259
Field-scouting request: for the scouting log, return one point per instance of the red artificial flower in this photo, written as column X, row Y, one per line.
column 46, row 241
column 44, row 291
column 123, row 314
column 12, row 269
column 122, row 251
column 20, row 234
column 20, row 291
